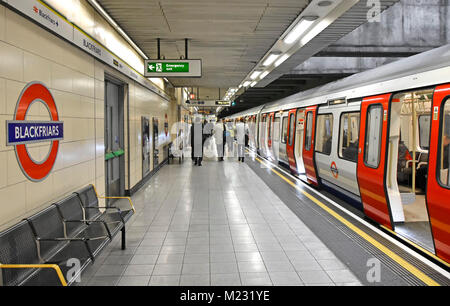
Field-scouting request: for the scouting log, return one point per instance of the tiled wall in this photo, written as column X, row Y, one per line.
column 76, row 80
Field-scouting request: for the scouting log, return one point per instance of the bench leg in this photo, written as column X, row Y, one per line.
column 124, row 246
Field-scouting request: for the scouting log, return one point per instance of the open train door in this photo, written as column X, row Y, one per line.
column 269, row 135
column 290, row 144
column 438, row 186
column 372, row 158
column 308, row 147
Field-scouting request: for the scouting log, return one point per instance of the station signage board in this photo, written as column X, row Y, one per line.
column 208, row 103
column 173, row 68
column 21, row 132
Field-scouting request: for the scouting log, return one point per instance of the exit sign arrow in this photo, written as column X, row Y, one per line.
column 151, row 67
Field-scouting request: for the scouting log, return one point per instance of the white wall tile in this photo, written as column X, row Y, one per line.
column 16, row 195
column 13, row 90
column 37, row 68
column 11, row 62
column 2, row 22
column 62, row 78
column 2, row 96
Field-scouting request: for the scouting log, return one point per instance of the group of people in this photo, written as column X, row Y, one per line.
column 224, row 135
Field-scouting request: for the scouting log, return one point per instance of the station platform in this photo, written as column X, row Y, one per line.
column 231, row 223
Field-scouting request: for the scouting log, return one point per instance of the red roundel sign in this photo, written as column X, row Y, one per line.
column 21, row 132
column 334, row 170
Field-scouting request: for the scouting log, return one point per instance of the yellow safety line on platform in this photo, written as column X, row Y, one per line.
column 416, row 246
column 413, row 270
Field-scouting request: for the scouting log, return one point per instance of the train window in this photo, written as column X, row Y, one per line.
column 276, row 130
column 349, row 136
column 424, row 131
column 374, row 129
column 309, row 130
column 291, row 129
column 284, row 130
column 324, row 133
column 444, row 159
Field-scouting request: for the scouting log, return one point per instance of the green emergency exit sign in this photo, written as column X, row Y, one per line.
column 173, row 68
column 167, row 67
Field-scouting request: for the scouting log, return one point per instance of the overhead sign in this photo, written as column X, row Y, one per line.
column 173, row 68
column 21, row 132
column 208, row 103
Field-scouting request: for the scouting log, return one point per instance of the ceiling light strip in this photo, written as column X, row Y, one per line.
column 111, row 21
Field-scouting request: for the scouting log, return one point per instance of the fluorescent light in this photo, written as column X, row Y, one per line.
column 270, row 59
column 263, row 75
column 299, row 29
column 116, row 27
column 246, row 83
column 253, row 84
column 255, row 74
column 281, row 60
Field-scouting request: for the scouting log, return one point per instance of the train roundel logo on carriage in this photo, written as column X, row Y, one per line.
column 20, row 131
column 334, row 170
column 166, row 124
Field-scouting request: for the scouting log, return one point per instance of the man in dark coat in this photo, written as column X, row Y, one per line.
column 197, row 140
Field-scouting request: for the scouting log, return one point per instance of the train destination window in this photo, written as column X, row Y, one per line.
column 349, row 136
column 373, row 136
column 276, row 129
column 445, row 147
column 284, row 130
column 309, row 128
column 324, row 133
column 291, row 129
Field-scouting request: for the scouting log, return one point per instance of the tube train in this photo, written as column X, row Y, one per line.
column 380, row 139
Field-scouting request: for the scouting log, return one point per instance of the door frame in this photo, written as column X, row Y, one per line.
column 372, row 181
column 290, row 144
column 437, row 194
column 122, row 108
column 308, row 155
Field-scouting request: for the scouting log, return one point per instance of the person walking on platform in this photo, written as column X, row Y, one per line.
column 220, row 138
column 197, row 140
column 240, row 138
column 229, row 136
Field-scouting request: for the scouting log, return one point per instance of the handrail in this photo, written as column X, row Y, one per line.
column 37, row 266
column 128, row 198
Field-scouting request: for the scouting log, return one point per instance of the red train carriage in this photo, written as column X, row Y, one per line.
column 380, row 139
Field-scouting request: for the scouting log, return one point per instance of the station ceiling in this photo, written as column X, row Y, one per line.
column 231, row 37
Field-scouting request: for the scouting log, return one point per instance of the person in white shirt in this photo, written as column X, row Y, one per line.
column 219, row 137
column 240, row 138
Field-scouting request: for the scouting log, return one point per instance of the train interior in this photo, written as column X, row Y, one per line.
column 406, row 176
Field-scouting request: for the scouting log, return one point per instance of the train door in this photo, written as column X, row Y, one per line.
column 298, row 149
column 276, row 136
column 262, row 136
column 283, row 139
column 290, row 142
column 270, row 135
column 308, row 148
column 372, row 158
column 438, row 191
column 114, row 143
column 406, row 175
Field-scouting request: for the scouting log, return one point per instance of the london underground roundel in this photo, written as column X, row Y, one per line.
column 21, row 131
